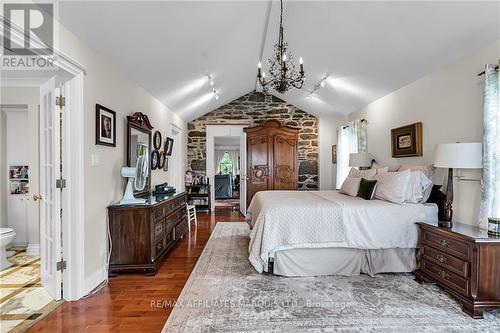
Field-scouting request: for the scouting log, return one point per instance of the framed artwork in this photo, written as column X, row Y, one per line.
column 165, row 166
column 406, row 141
column 169, row 144
column 155, row 159
column 334, row 154
column 157, row 140
column 161, row 162
column 105, row 126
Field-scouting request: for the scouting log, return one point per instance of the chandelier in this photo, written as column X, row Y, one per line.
column 282, row 72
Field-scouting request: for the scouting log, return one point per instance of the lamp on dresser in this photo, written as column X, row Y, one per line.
column 361, row 160
column 456, row 156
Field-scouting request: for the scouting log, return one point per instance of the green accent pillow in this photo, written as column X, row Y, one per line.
column 366, row 188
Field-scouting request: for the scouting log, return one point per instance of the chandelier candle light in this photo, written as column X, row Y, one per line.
column 282, row 71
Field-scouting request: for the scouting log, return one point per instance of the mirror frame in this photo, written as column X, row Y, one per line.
column 140, row 122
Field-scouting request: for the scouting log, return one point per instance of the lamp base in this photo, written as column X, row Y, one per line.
column 445, row 224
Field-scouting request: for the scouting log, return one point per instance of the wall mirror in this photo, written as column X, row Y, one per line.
column 139, row 144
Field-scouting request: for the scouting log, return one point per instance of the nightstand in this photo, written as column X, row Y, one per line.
column 464, row 261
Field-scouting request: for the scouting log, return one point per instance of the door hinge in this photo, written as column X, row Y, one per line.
column 60, row 101
column 61, row 183
column 61, row 265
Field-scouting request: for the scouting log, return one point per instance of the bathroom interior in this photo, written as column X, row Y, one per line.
column 19, row 208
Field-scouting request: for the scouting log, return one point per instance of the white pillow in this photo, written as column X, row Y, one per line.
column 418, row 187
column 391, row 186
column 350, row 186
column 366, row 174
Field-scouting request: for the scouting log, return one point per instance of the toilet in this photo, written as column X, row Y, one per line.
column 6, row 237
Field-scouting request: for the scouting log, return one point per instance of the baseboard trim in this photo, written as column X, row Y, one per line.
column 33, row 250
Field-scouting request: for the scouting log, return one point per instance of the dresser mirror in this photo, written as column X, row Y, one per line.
column 139, row 144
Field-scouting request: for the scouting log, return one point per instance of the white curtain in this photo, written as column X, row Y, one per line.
column 219, row 155
column 490, row 186
column 234, row 155
column 347, row 143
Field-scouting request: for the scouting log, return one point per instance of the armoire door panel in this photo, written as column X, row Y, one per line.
column 258, row 162
column 285, row 162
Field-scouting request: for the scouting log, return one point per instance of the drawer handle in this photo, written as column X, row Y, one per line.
column 441, row 258
column 444, row 274
column 444, row 242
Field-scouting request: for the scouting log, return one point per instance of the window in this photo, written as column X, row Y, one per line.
column 226, row 165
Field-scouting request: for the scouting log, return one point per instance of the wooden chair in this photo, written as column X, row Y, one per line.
column 191, row 213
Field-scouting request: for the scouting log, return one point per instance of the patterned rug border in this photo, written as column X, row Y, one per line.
column 221, row 274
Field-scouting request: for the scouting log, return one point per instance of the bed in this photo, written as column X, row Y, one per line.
column 328, row 233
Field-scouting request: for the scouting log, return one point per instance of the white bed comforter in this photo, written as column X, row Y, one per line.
column 291, row 219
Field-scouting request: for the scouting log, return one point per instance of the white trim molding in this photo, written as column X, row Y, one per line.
column 33, row 249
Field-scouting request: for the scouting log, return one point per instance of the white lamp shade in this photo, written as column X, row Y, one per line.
column 459, row 155
column 360, row 160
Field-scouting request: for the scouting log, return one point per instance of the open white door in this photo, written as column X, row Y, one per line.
column 50, row 201
column 243, row 173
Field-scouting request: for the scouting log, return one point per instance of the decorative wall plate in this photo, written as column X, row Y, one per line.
column 161, row 163
column 157, row 140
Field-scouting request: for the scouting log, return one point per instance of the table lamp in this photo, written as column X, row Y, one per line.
column 456, row 156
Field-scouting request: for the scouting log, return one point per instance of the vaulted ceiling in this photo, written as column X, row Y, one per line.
column 367, row 49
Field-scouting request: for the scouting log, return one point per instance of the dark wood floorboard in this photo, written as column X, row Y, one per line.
column 125, row 304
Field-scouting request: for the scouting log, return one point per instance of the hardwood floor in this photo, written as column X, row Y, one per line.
column 126, row 304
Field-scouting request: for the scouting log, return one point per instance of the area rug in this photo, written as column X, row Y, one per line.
column 225, row 294
column 23, row 300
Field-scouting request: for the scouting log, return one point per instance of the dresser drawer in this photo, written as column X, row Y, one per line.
column 179, row 202
column 456, row 265
column 446, row 244
column 446, row 277
column 158, row 229
column 158, row 248
column 181, row 229
column 176, row 216
column 158, row 213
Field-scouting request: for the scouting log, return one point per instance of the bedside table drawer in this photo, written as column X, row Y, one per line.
column 456, row 265
column 446, row 244
column 446, row 277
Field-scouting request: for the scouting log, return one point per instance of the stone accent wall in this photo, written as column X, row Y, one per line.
column 253, row 109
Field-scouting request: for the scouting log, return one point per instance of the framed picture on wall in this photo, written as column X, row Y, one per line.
column 334, row 154
column 155, row 159
column 406, row 141
column 165, row 166
column 105, row 126
column 169, row 144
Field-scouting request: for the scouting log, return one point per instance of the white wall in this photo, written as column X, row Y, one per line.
column 449, row 103
column 105, row 85
column 327, row 129
column 31, row 97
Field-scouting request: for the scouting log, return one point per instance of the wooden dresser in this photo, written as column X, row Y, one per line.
column 141, row 235
column 464, row 261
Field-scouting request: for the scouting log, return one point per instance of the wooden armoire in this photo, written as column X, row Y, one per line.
column 272, row 162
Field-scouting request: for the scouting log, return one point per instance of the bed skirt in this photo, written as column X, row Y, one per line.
column 342, row 261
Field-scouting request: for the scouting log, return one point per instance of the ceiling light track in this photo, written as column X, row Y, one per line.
column 211, row 84
column 317, row 86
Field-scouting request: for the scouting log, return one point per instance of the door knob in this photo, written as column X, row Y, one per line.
column 37, row 197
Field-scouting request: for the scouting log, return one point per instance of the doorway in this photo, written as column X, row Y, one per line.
column 231, row 139
column 227, row 172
